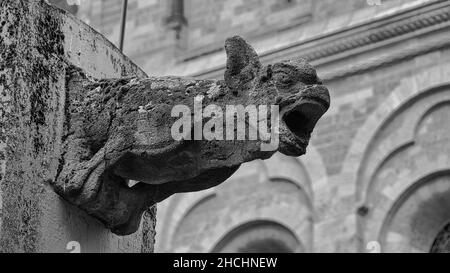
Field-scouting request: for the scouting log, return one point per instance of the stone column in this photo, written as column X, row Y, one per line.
column 37, row 44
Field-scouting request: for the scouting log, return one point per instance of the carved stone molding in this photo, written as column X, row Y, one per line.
column 380, row 32
column 396, row 55
column 414, row 22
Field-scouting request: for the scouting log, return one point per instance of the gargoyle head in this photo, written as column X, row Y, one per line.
column 121, row 153
column 293, row 85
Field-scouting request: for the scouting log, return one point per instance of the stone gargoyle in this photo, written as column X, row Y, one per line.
column 120, row 157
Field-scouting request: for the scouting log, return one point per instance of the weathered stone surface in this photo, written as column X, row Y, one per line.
column 119, row 130
column 38, row 43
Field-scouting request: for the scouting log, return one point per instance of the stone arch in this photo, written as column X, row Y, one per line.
column 282, row 201
column 380, row 150
column 308, row 198
column 173, row 212
column 408, row 145
column 419, row 216
column 260, row 236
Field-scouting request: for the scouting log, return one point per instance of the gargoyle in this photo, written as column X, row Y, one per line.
column 118, row 131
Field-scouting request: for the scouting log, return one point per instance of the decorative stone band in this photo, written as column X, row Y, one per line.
column 385, row 59
column 380, row 30
column 348, row 41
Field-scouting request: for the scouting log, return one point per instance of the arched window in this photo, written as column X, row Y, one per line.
column 442, row 242
column 259, row 237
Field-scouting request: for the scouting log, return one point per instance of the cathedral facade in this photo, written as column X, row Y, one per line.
column 376, row 176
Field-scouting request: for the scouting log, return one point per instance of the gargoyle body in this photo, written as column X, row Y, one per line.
column 118, row 133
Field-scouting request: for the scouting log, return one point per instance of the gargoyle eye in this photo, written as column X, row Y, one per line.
column 283, row 78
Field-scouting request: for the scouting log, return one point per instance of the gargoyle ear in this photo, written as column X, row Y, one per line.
column 243, row 63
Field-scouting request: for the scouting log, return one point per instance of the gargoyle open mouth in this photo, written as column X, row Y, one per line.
column 300, row 114
column 303, row 118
